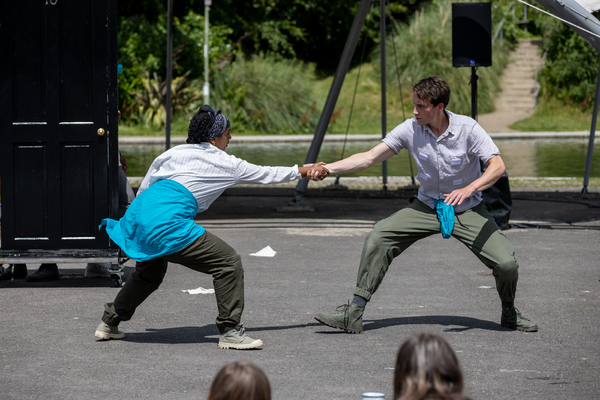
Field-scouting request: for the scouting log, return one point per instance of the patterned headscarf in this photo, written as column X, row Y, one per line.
column 220, row 123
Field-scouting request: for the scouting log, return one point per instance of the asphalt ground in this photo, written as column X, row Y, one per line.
column 48, row 349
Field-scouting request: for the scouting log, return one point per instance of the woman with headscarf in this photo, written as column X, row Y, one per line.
column 159, row 226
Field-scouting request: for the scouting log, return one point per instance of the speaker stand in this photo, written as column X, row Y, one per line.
column 498, row 196
column 474, row 78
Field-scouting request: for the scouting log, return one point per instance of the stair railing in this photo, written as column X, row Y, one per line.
column 537, row 86
column 511, row 8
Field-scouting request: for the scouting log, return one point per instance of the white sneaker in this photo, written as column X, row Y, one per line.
column 97, row 270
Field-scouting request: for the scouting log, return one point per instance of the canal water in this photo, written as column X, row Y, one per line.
column 523, row 157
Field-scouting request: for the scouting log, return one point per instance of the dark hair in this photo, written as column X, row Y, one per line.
column 200, row 125
column 433, row 89
column 240, row 380
column 427, row 368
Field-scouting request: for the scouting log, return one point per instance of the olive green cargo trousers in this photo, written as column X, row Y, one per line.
column 475, row 228
column 207, row 254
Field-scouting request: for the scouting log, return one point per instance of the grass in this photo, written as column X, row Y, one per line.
column 550, row 116
column 366, row 112
column 555, row 116
column 179, row 127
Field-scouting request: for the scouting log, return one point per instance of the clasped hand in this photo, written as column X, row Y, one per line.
column 317, row 171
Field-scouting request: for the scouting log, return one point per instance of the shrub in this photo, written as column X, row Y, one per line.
column 142, row 46
column 571, row 65
column 424, row 48
column 266, row 95
column 149, row 101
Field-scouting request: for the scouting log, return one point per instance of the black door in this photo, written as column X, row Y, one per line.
column 58, row 125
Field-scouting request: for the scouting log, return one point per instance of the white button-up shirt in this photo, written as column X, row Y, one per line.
column 207, row 171
column 446, row 163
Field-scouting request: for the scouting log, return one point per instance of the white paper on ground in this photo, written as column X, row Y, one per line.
column 199, row 290
column 266, row 252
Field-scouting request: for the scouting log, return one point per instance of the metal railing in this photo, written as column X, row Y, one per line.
column 537, row 86
column 511, row 8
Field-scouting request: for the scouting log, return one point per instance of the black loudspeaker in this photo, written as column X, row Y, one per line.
column 471, row 34
column 499, row 199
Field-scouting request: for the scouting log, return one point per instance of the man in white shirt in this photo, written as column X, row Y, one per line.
column 447, row 149
column 158, row 227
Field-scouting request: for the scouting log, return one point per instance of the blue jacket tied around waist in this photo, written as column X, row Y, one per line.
column 157, row 223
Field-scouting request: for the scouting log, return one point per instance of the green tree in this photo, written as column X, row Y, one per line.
column 314, row 31
column 142, row 46
column 571, row 64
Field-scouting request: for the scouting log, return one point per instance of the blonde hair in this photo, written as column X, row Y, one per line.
column 240, row 380
column 427, row 368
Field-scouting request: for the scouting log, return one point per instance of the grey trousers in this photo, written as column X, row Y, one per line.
column 207, row 254
column 477, row 230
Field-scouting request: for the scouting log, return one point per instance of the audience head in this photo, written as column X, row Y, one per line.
column 240, row 380
column 427, row 368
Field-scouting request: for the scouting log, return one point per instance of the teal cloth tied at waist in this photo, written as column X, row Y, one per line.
column 445, row 215
column 157, row 223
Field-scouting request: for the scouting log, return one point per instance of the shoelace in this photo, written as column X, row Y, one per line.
column 343, row 309
column 241, row 330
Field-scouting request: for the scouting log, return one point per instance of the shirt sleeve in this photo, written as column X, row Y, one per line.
column 396, row 138
column 481, row 144
column 251, row 173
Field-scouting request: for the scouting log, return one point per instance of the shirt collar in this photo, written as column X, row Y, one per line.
column 449, row 131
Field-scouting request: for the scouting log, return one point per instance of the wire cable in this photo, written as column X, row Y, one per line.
column 362, row 56
column 410, row 162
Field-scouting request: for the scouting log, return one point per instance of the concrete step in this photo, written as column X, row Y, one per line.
column 527, row 49
column 521, row 67
column 526, row 61
column 526, row 97
column 517, row 93
column 517, row 75
column 520, row 106
column 519, row 97
column 518, row 84
column 524, row 91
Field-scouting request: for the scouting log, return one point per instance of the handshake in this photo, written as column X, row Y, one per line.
column 317, row 171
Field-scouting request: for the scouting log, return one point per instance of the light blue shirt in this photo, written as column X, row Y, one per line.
column 446, row 163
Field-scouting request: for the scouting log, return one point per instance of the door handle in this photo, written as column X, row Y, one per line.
column 101, row 132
